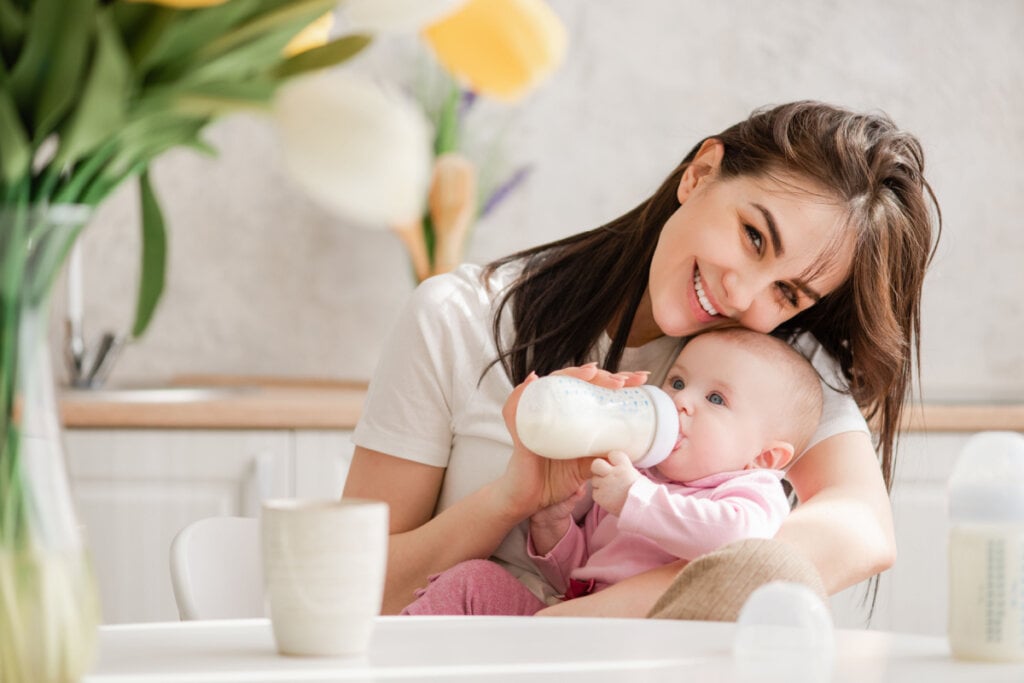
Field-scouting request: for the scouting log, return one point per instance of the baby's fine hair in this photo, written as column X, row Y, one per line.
column 799, row 390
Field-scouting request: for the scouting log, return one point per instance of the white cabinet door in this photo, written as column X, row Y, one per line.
column 321, row 462
column 135, row 489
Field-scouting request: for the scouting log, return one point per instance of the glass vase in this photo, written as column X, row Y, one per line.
column 49, row 607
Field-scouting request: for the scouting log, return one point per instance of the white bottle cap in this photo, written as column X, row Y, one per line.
column 987, row 484
column 666, row 428
column 784, row 632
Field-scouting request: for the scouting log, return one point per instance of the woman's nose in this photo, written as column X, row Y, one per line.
column 738, row 293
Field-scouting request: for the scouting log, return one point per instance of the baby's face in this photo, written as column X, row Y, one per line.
column 725, row 395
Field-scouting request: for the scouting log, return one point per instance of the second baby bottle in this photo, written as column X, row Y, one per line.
column 563, row 417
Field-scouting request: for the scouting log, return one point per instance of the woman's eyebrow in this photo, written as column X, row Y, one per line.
column 812, row 294
column 773, row 234
column 773, row 229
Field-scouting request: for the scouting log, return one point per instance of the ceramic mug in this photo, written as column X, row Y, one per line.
column 324, row 563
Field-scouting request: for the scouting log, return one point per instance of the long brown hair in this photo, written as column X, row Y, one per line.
column 571, row 290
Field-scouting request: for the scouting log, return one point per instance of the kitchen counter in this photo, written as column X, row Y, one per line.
column 216, row 402
column 229, row 402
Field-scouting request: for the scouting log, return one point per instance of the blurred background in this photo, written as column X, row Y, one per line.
column 262, row 281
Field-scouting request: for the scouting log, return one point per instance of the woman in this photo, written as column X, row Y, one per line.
column 805, row 220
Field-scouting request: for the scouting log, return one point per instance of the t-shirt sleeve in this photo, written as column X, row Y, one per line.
column 839, row 412
column 407, row 412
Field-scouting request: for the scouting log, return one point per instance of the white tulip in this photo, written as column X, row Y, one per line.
column 357, row 149
column 393, row 16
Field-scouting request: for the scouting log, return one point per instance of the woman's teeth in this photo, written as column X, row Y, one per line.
column 705, row 303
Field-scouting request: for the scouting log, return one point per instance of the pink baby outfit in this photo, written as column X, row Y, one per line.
column 661, row 522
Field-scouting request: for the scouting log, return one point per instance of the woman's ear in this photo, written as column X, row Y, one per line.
column 707, row 162
column 776, row 456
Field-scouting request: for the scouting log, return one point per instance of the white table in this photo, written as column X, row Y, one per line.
column 523, row 649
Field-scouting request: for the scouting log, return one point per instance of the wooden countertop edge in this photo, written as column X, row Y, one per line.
column 269, row 408
column 337, row 406
column 964, row 418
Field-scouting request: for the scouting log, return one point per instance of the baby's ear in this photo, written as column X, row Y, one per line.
column 776, row 456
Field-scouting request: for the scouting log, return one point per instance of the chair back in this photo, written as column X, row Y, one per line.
column 216, row 569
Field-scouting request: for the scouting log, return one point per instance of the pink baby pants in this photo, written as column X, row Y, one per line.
column 477, row 587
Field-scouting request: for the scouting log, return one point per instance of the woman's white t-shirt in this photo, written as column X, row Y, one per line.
column 436, row 398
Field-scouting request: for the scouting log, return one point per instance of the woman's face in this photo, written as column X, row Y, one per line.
column 738, row 249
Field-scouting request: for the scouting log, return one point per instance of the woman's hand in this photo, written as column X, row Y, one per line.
column 532, row 482
column 548, row 525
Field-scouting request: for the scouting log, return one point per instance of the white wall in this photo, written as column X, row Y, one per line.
column 262, row 281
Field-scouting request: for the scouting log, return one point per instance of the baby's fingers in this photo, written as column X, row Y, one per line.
column 619, row 458
column 600, row 467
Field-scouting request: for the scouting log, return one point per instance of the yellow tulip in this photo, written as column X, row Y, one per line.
column 314, row 35
column 182, row 4
column 501, row 48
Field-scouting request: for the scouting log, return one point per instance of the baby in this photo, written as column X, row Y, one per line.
column 747, row 403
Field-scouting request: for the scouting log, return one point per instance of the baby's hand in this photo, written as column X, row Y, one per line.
column 611, row 481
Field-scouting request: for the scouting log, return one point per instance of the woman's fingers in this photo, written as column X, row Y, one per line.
column 594, row 375
column 602, row 378
column 508, row 411
column 636, row 378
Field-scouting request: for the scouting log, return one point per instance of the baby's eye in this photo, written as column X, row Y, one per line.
column 678, row 384
column 716, row 398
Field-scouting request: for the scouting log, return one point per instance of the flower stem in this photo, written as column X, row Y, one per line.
column 74, row 189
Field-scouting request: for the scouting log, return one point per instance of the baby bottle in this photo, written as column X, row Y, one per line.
column 986, row 549
column 563, row 417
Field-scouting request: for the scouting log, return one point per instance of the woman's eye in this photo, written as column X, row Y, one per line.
column 756, row 240
column 678, row 384
column 788, row 294
column 716, row 398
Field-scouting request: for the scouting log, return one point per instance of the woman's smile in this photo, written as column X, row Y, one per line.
column 702, row 296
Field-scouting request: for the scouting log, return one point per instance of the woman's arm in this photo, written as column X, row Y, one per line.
column 420, row 546
column 633, row 597
column 844, row 521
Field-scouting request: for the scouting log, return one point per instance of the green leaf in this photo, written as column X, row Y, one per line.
column 447, row 137
column 12, row 28
column 48, row 74
column 289, row 19
column 216, row 99
column 142, row 140
column 154, row 257
column 15, row 149
column 334, row 52
column 104, row 103
column 205, row 100
column 190, row 31
column 148, row 137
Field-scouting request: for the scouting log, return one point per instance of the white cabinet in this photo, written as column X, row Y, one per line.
column 913, row 596
column 135, row 489
column 321, row 462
